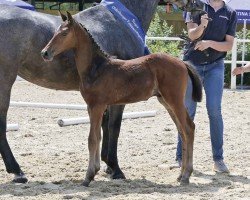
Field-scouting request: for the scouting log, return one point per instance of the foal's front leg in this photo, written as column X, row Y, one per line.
column 95, row 115
column 97, row 155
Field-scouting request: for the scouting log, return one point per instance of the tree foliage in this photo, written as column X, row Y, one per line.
column 160, row 28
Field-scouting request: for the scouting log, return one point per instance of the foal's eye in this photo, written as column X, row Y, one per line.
column 64, row 33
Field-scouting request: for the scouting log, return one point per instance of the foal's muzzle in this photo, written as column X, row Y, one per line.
column 47, row 55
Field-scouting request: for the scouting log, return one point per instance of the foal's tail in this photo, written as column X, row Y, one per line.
column 197, row 86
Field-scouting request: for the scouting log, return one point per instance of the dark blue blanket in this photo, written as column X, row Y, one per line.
column 128, row 18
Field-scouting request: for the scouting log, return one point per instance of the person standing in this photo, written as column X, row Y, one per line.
column 207, row 57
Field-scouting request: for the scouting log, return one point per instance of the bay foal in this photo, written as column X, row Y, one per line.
column 105, row 81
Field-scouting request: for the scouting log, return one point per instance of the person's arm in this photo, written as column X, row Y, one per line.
column 241, row 70
column 194, row 30
column 219, row 46
column 229, row 38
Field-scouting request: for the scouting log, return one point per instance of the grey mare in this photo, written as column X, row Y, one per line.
column 24, row 33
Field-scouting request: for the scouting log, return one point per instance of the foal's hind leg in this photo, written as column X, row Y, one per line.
column 189, row 129
column 172, row 115
column 6, row 81
column 186, row 128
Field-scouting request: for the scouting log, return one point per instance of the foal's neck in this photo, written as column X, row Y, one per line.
column 86, row 52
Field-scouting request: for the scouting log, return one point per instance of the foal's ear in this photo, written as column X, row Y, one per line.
column 64, row 17
column 70, row 18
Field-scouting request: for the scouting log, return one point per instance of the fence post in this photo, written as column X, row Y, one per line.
column 233, row 64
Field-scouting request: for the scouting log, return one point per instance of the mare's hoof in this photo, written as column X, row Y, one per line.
column 119, row 175
column 184, row 182
column 86, row 183
column 20, row 178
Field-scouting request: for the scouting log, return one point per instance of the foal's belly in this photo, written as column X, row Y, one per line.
column 131, row 92
column 134, row 84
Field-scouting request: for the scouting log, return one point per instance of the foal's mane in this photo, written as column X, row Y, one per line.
column 100, row 57
column 96, row 47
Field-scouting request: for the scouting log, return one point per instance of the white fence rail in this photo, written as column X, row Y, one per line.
column 233, row 60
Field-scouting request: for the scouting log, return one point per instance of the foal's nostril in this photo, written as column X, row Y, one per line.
column 44, row 54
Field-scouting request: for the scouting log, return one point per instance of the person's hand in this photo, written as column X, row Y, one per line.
column 202, row 45
column 238, row 70
column 204, row 20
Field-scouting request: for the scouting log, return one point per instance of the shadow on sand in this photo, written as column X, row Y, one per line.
column 103, row 189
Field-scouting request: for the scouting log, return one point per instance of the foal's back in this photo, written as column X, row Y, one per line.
column 129, row 81
column 156, row 64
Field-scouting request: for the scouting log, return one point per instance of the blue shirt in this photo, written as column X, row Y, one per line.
column 223, row 23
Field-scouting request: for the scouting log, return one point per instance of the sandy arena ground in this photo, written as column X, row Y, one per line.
column 55, row 158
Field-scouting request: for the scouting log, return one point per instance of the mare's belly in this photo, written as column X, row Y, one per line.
column 51, row 76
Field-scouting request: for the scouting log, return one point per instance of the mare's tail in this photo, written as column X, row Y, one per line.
column 197, row 86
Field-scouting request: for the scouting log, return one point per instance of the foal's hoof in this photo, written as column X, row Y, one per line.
column 20, row 178
column 118, row 175
column 108, row 170
column 86, row 183
column 184, row 182
column 97, row 170
column 179, row 178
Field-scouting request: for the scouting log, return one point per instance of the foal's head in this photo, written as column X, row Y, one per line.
column 63, row 39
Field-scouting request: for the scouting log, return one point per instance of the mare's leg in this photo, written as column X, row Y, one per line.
column 105, row 140
column 7, row 79
column 95, row 115
column 115, row 118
